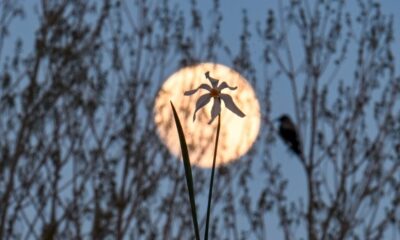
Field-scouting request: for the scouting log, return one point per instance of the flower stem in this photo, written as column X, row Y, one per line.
column 212, row 178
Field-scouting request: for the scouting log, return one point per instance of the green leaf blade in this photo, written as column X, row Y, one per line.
column 188, row 171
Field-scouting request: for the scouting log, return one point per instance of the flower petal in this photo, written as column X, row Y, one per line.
column 231, row 105
column 203, row 86
column 215, row 110
column 201, row 102
column 225, row 85
column 213, row 81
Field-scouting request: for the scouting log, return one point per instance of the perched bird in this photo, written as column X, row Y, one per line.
column 289, row 134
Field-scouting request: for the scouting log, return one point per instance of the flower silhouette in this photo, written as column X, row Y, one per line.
column 214, row 91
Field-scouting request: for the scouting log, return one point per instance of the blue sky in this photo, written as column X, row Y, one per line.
column 231, row 30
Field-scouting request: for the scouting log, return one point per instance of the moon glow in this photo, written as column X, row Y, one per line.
column 237, row 134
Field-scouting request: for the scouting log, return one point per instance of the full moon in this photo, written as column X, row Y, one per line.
column 237, row 134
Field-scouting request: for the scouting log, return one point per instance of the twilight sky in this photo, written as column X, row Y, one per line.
column 230, row 32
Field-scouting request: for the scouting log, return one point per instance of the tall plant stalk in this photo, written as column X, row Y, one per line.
column 212, row 179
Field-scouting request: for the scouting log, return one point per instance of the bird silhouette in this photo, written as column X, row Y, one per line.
column 288, row 133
